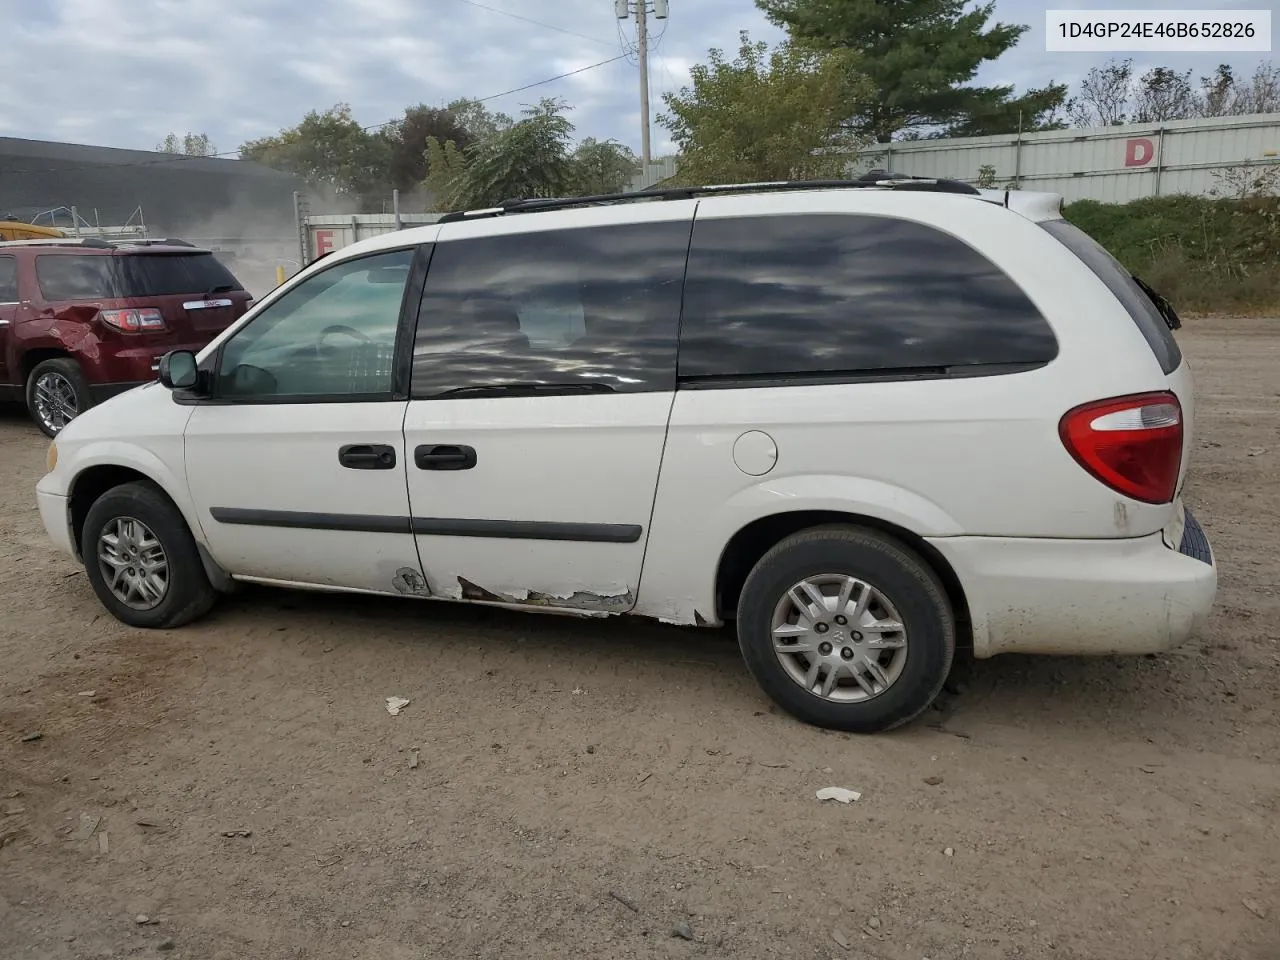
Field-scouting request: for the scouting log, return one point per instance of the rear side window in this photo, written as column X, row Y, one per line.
column 1121, row 283
column 587, row 309
column 836, row 294
column 98, row 277
column 8, row 280
column 69, row 277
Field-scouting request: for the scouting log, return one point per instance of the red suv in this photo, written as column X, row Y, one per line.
column 83, row 320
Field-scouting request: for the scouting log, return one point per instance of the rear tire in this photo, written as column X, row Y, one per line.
column 873, row 661
column 57, row 393
column 142, row 560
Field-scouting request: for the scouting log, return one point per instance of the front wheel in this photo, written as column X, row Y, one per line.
column 846, row 628
column 142, row 560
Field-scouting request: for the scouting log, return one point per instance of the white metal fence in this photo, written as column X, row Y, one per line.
column 1111, row 164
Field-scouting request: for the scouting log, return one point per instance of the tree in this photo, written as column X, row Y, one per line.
column 776, row 115
column 602, row 166
column 475, row 118
column 446, row 164
column 920, row 56
column 1103, row 100
column 407, row 142
column 1222, row 95
column 1164, row 94
column 190, row 144
column 527, row 160
column 329, row 149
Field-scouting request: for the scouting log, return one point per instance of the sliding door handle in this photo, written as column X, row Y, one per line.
column 367, row 456
column 444, row 456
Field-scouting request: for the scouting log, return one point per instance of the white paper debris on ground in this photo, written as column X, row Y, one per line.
column 839, row 794
column 85, row 693
column 395, row 705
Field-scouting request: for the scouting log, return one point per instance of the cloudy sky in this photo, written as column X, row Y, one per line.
column 126, row 72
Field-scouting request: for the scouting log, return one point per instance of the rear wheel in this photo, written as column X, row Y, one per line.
column 57, row 393
column 846, row 628
column 142, row 560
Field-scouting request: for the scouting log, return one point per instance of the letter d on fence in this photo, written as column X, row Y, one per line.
column 1138, row 152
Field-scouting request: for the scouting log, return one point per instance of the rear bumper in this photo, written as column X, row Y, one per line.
column 1084, row 596
column 127, row 366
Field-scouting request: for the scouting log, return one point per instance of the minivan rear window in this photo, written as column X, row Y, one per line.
column 98, row 277
column 1126, row 289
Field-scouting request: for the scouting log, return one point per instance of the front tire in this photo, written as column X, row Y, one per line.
column 142, row 560
column 846, row 628
column 57, row 393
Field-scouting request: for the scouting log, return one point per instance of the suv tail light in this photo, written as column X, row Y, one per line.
column 1132, row 444
column 134, row 320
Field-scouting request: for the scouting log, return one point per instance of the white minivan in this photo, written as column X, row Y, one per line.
column 867, row 421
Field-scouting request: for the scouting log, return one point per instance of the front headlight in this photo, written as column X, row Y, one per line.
column 51, row 458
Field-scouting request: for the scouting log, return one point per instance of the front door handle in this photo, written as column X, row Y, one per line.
column 367, row 456
column 438, row 456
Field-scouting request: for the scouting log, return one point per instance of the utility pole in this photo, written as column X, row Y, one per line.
column 642, row 51
column 624, row 9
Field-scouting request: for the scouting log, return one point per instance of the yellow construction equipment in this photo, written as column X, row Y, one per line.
column 17, row 230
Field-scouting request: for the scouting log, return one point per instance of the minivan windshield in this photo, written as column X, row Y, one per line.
column 1152, row 313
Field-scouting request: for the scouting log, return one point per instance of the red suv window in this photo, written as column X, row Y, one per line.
column 98, row 277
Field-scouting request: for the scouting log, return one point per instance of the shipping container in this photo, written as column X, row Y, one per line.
column 326, row 232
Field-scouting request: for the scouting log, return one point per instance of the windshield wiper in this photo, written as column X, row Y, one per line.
column 527, row 389
column 1163, row 306
column 221, row 288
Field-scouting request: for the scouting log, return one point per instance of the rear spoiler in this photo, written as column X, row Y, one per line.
column 1035, row 205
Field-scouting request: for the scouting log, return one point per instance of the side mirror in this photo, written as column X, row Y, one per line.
column 178, row 370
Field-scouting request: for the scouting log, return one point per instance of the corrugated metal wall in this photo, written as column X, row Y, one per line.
column 1111, row 164
column 327, row 232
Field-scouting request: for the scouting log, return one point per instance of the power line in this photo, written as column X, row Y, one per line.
column 621, row 56
column 181, row 157
column 539, row 23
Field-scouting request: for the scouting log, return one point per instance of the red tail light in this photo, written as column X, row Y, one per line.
column 134, row 320
column 1132, row 444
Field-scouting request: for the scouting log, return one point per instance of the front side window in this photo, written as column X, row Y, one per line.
column 333, row 335
column 838, row 294
column 8, row 280
column 592, row 309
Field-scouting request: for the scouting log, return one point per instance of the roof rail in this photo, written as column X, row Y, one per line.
column 61, row 242
column 153, row 242
column 875, row 179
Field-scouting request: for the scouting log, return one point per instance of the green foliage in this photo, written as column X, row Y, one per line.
column 529, row 159
column 986, row 176
column 766, row 115
column 920, row 56
column 407, row 142
column 602, row 166
column 329, row 149
column 190, row 144
column 476, row 119
column 446, row 164
column 1206, row 255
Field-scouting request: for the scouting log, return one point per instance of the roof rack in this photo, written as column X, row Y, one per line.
column 60, row 242
column 874, row 179
column 97, row 243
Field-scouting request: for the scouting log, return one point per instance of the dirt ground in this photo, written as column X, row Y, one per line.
column 582, row 788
